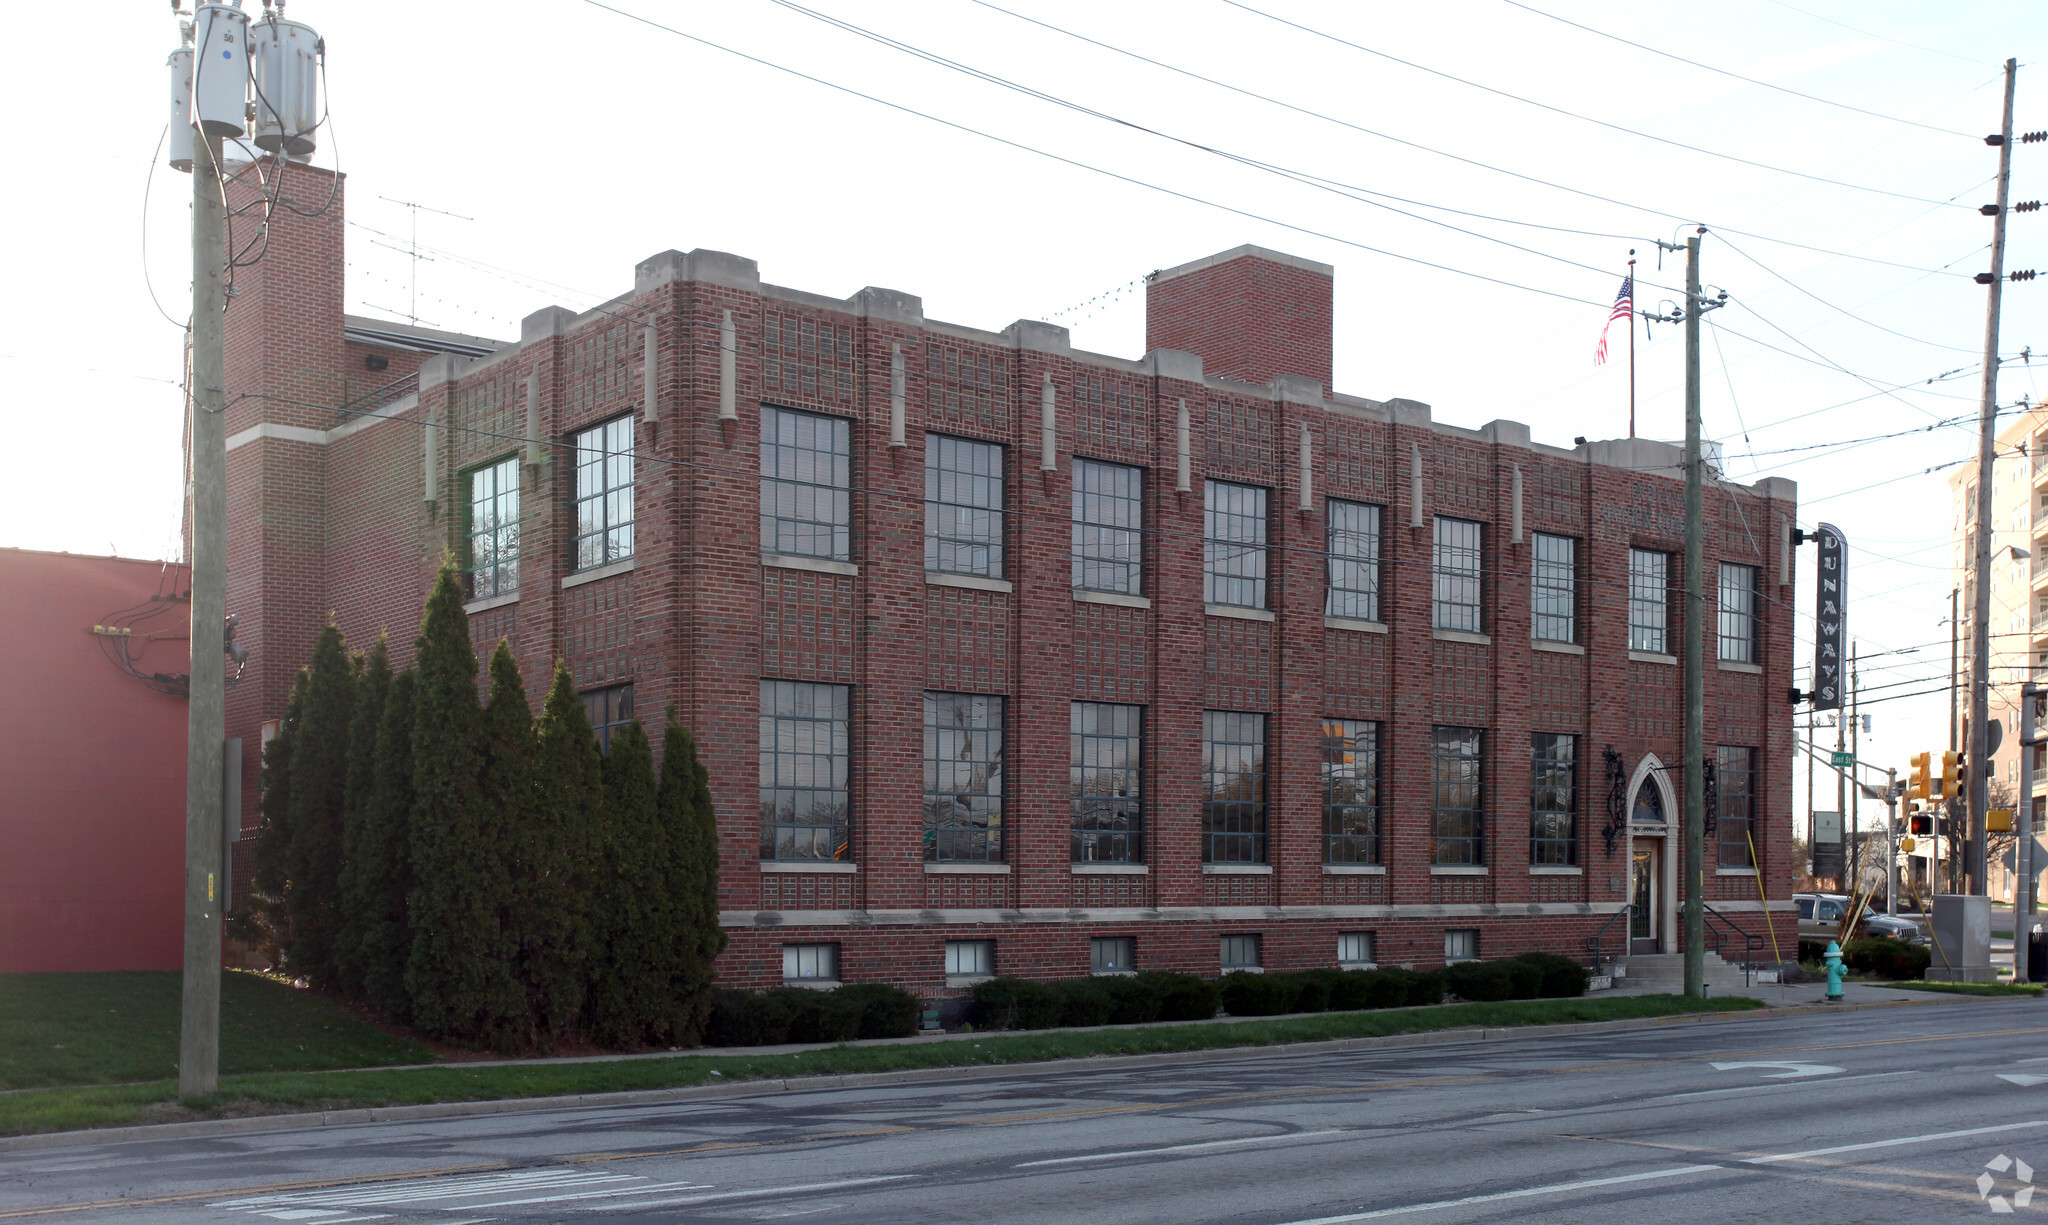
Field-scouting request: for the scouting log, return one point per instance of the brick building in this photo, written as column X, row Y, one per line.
column 1008, row 656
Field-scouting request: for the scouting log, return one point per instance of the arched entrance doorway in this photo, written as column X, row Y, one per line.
column 1652, row 876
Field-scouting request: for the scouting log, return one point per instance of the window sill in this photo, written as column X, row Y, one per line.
column 1354, row 623
column 812, row 984
column 1241, row 614
column 1553, row 869
column 1084, row 596
column 1735, row 871
column 1110, row 869
column 1237, row 869
column 1561, row 648
column 818, row 565
column 1354, row 869
column 1242, row 969
column 973, row 582
column 967, row 869
column 807, row 865
column 1457, row 869
column 967, row 980
column 1651, row 657
column 1730, row 665
column 1484, row 640
column 491, row 601
column 597, row 572
column 1112, row 973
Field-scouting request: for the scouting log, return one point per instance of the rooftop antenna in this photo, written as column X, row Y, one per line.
column 413, row 252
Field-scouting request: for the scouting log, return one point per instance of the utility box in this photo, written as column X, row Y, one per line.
column 1962, row 940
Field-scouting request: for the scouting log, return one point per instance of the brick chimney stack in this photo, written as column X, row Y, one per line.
column 1249, row 313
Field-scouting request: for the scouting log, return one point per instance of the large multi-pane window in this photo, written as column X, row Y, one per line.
column 609, row 709
column 805, row 754
column 1649, row 601
column 1738, row 613
column 1553, row 800
column 1234, row 544
column 1458, row 578
column 493, row 529
column 963, row 506
column 963, row 778
column 806, row 485
column 1354, row 545
column 1554, row 589
column 1456, row 817
column 1734, row 804
column 1234, row 805
column 604, row 494
column 1109, row 525
column 810, row 963
column 1351, row 791
column 1104, row 782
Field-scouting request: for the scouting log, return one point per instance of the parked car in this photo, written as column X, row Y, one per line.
column 1820, row 918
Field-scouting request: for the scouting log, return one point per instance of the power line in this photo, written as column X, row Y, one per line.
column 1911, row 123
column 1831, row 306
column 1884, row 37
column 1663, row 140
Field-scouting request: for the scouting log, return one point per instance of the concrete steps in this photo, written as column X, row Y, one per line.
column 1666, row 972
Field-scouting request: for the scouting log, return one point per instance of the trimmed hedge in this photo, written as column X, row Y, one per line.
column 1894, row 959
column 1018, row 1003
column 1561, row 977
column 800, row 1014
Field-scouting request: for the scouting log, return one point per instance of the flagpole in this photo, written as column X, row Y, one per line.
column 1631, row 347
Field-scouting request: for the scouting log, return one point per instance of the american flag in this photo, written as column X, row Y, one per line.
column 1624, row 306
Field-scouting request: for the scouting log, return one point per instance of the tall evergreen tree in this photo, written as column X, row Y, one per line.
column 629, row 999
column 357, row 812
column 320, row 760
column 383, row 863
column 458, row 974
column 505, row 788
column 260, row 918
column 689, row 839
column 552, row 879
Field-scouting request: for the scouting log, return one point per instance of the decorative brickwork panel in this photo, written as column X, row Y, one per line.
column 1452, row 890
column 1354, row 674
column 1654, row 693
column 947, row 891
column 1357, row 458
column 1737, row 707
column 806, row 891
column 1235, row 890
column 1237, row 666
column 1111, row 653
column 1558, row 888
column 1743, row 528
column 1354, row 890
column 1241, row 438
column 600, row 369
column 1100, row 892
column 967, row 640
column 490, row 414
column 486, row 628
column 598, row 630
column 967, row 388
column 1554, row 496
column 806, row 359
column 806, row 625
column 1112, row 418
column 1653, row 512
column 1557, row 691
column 1464, row 482
column 1462, row 684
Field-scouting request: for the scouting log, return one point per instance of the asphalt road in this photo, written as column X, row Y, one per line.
column 1885, row 1115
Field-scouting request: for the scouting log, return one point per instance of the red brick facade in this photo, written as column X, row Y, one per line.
column 349, row 512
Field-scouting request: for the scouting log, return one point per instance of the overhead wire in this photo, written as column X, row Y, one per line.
column 1884, row 37
column 1844, row 311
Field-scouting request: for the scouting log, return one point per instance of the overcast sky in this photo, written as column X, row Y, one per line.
column 577, row 141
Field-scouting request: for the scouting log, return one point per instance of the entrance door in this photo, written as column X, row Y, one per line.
column 1643, row 933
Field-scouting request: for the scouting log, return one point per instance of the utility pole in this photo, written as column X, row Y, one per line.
column 1695, row 627
column 1891, row 841
column 199, row 1032
column 1979, row 756
column 2023, row 865
column 1854, row 816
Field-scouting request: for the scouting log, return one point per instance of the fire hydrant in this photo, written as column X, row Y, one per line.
column 1834, row 961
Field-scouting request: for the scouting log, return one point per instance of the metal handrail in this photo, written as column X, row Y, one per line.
column 1752, row 943
column 1597, row 942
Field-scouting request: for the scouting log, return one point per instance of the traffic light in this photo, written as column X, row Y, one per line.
column 1916, row 786
column 1951, row 775
column 1920, row 824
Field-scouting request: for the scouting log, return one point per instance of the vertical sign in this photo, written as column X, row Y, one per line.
column 1830, row 631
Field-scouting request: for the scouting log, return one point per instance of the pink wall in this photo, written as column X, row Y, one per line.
column 92, row 766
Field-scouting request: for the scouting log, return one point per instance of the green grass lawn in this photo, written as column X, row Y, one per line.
column 2033, row 989
column 101, row 1029
column 282, row 1091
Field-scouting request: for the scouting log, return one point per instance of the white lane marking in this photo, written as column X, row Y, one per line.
column 1553, row 1189
column 1791, row 1068
column 1179, row 1148
column 705, row 1199
column 2023, row 1079
column 1870, row 1144
column 608, row 1191
column 379, row 1195
column 1668, row 1097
